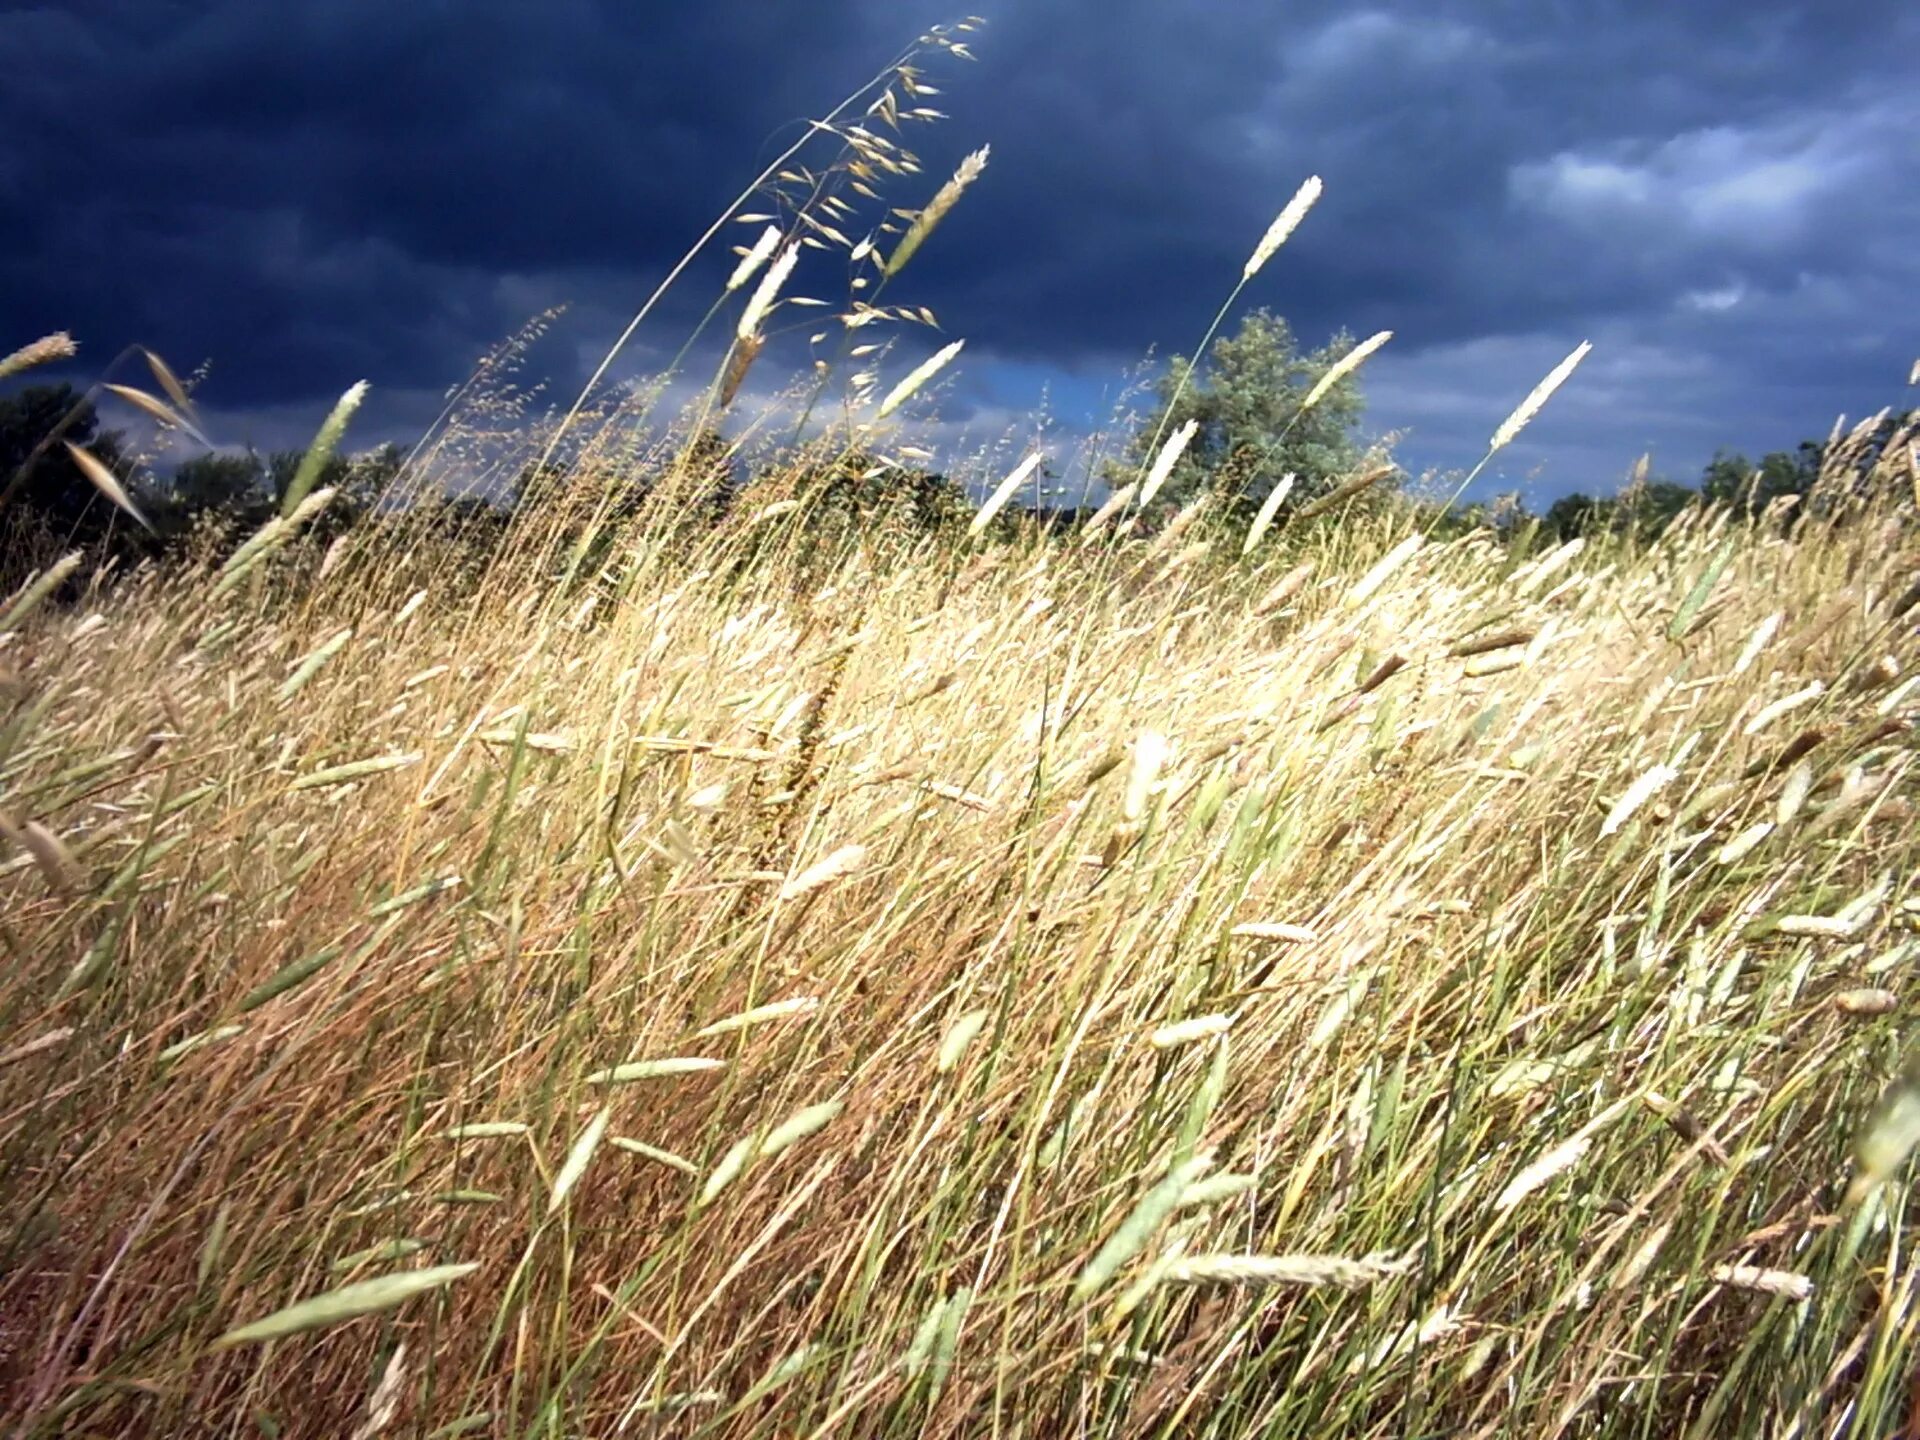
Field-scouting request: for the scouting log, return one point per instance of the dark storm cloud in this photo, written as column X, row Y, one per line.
column 1721, row 195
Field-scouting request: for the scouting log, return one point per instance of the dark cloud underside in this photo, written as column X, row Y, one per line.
column 1721, row 195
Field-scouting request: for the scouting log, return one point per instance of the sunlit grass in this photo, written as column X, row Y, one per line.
column 643, row 968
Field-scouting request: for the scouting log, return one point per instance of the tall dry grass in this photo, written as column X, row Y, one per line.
column 771, row 977
column 938, row 986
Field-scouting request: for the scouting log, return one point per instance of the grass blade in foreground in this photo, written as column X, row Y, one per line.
column 364, row 1297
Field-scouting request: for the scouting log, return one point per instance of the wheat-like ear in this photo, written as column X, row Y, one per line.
column 44, row 351
column 919, row 376
column 842, row 862
column 1169, row 456
column 1283, row 225
column 1005, row 491
column 1344, row 366
column 365, row 1297
column 754, row 258
column 944, row 200
column 1530, row 407
column 1268, row 509
column 321, row 451
column 764, row 293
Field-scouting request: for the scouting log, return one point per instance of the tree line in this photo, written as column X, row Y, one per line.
column 1255, row 415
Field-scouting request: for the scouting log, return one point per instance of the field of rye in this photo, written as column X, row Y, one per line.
column 810, row 981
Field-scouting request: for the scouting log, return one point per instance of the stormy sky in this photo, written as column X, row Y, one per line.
column 1722, row 195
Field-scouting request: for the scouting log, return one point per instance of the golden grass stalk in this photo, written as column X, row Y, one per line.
column 1283, row 225
column 104, row 480
column 355, row 770
column 1556, row 1161
column 1288, row 586
column 1269, row 508
column 1004, row 492
column 1743, row 844
column 384, row 1403
column 578, row 1158
column 745, row 352
column 168, row 381
column 268, row 538
column 1866, row 1001
column 1170, row 452
column 155, row 409
column 1823, row 927
column 764, row 294
column 1304, row 1270
column 47, row 350
column 1538, row 397
column 1343, row 492
column 841, row 863
column 961, row 1034
column 55, row 861
column 755, row 257
column 944, row 200
column 1651, row 783
column 1369, row 584
column 657, row 1069
column 1788, row 1284
column 485, row 1130
column 198, row 1042
column 655, row 1154
column 1890, row 1133
column 1785, row 705
column 1110, row 507
column 790, row 1132
column 798, row 1126
column 349, row 1302
column 1190, row 1031
column 30, row 595
column 1343, row 367
column 386, row 1252
column 1274, row 930
column 1761, row 638
column 1150, row 749
column 310, row 664
column 1216, row 1188
column 920, row 375
column 39, row 1045
column 759, row 1015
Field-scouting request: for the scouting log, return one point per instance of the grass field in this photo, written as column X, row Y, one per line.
column 935, row 988
column 778, row 977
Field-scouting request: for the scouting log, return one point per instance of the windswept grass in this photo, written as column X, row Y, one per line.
column 1019, row 985
column 667, row 973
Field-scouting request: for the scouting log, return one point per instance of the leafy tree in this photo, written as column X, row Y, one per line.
column 52, row 497
column 1641, row 511
column 1246, row 399
column 1732, row 478
column 1578, row 514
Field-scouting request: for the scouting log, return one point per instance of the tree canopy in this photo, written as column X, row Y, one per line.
column 1246, row 400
